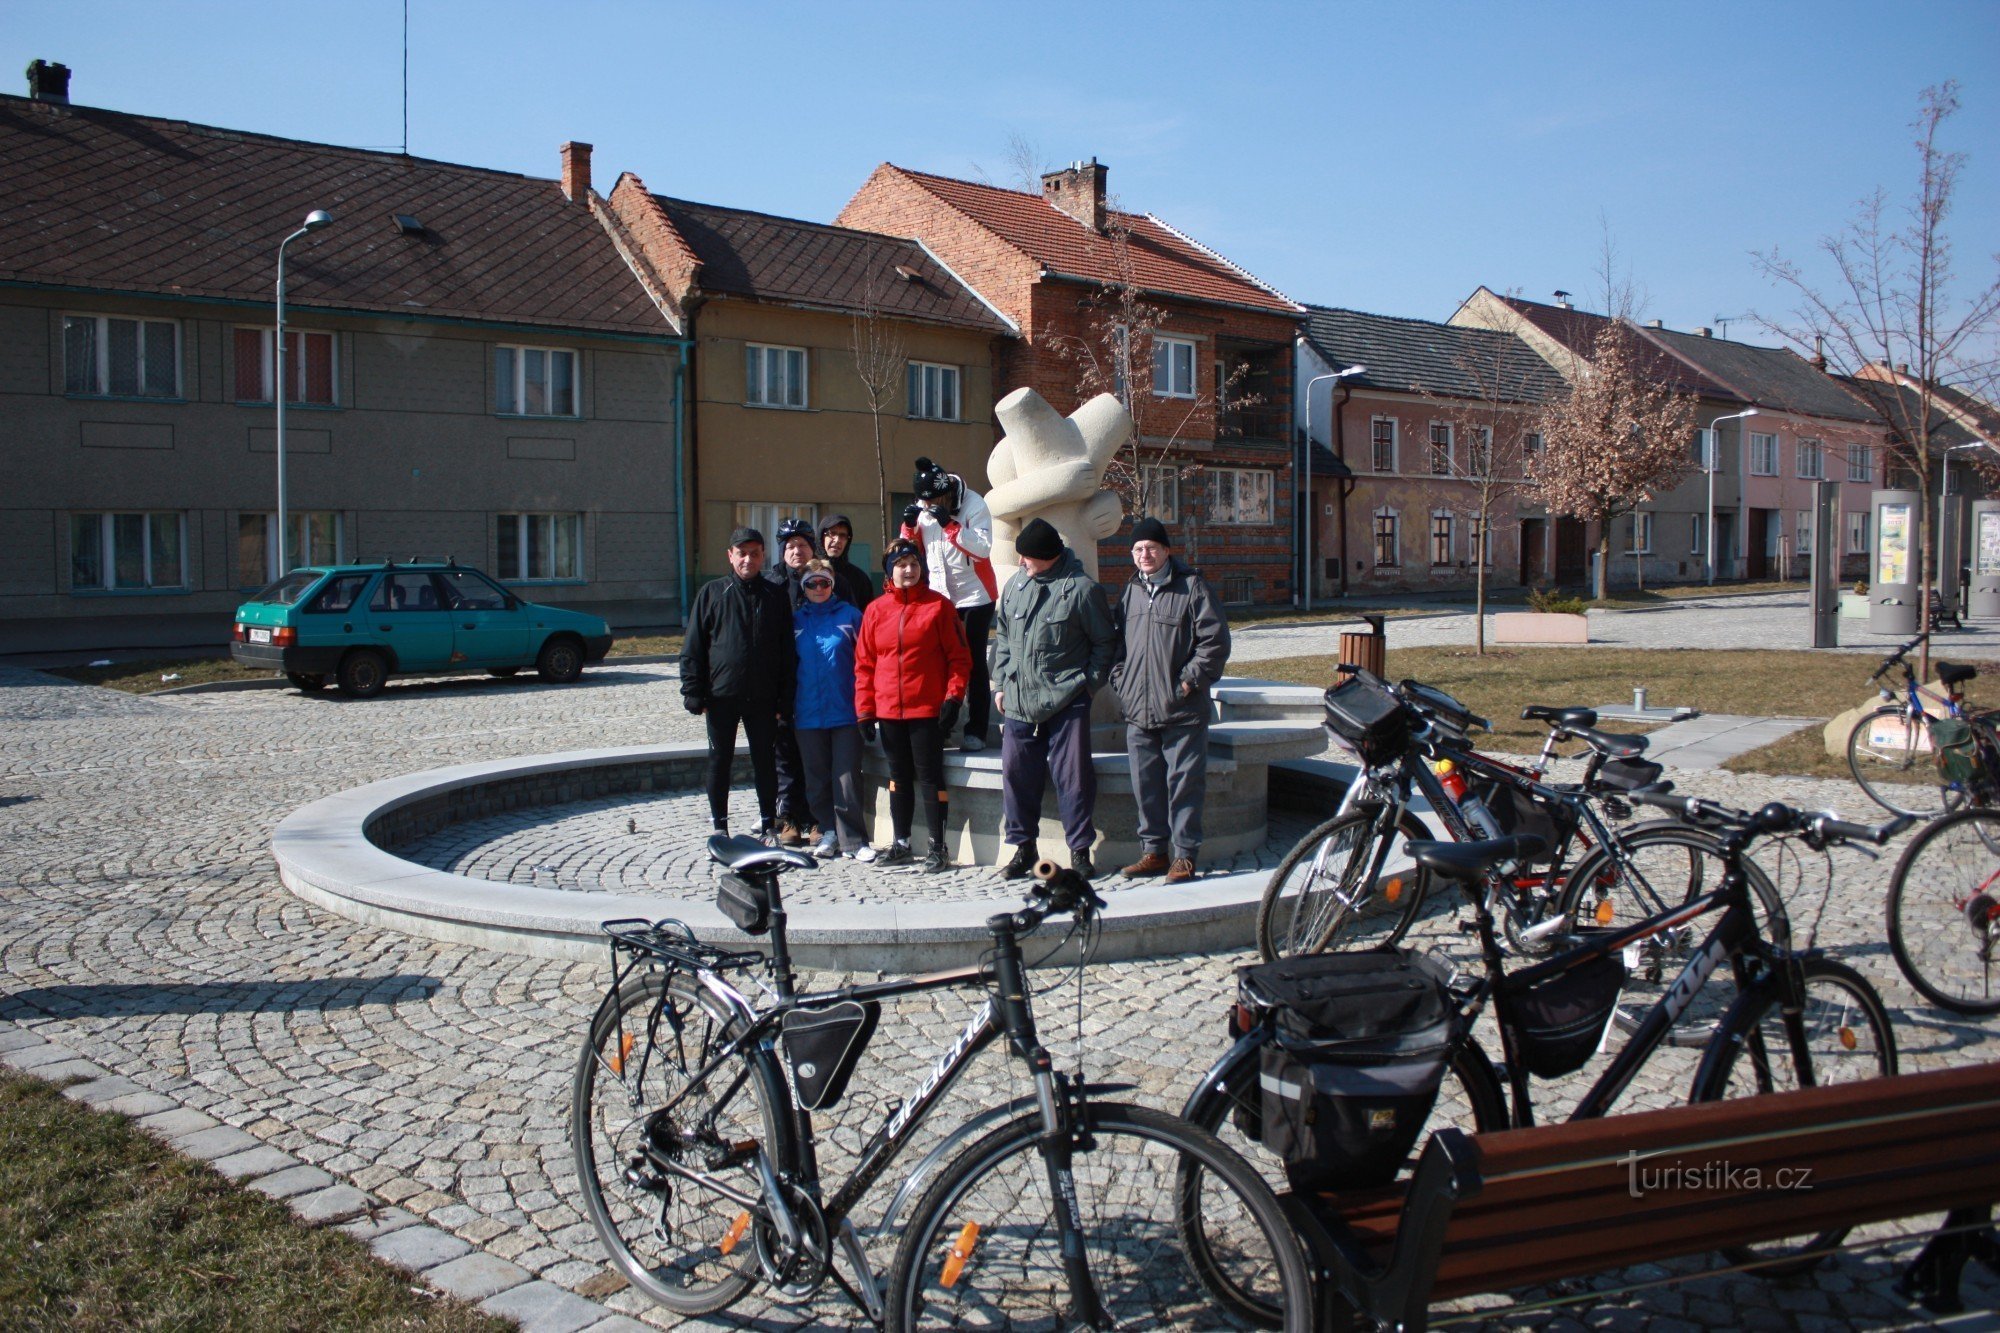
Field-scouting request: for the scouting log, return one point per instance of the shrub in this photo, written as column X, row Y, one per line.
column 1551, row 602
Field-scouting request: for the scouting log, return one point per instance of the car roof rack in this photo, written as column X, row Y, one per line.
column 450, row 560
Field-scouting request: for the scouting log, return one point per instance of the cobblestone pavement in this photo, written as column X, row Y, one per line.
column 146, row 932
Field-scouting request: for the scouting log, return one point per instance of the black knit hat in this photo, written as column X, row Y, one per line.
column 746, row 537
column 897, row 550
column 1039, row 540
column 1150, row 530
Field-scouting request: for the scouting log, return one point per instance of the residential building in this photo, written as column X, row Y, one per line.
column 1963, row 437
column 473, row 370
column 1107, row 300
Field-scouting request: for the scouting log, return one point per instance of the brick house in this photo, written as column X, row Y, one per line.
column 1408, row 435
column 1210, row 386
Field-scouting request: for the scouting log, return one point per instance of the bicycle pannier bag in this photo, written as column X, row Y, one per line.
column 1359, row 1047
column 823, row 1046
column 1368, row 718
column 1957, row 749
column 1559, row 1022
column 747, row 902
column 1629, row 774
column 1517, row 812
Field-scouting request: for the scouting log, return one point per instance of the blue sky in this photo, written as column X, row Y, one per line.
column 1388, row 157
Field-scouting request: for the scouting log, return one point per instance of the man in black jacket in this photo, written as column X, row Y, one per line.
column 850, row 581
column 739, row 665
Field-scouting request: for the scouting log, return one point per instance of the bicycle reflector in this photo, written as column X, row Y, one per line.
column 735, row 1232
column 1847, row 1041
column 1392, row 889
column 1606, row 909
column 961, row 1250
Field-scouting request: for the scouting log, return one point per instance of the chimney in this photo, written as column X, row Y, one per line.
column 1562, row 299
column 48, row 82
column 1819, row 352
column 1078, row 190
column 1655, row 324
column 1902, row 367
column 576, row 172
column 1704, row 332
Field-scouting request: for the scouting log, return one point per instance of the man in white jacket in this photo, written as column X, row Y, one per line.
column 950, row 522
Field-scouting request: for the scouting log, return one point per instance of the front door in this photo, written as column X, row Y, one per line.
column 1756, row 550
column 1571, row 554
column 413, row 621
column 1534, row 558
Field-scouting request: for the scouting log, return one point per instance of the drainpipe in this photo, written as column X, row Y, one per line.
column 1347, row 482
column 680, row 476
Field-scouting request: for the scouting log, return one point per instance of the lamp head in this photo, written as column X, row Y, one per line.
column 1351, row 371
column 318, row 218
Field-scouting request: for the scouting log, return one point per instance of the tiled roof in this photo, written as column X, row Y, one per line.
column 1899, row 405
column 1773, row 377
column 811, row 263
column 1162, row 259
column 1577, row 330
column 1418, row 356
column 107, row 201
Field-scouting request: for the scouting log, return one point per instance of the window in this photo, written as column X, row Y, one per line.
column 1161, row 484
column 124, row 358
column 111, row 552
column 1440, row 537
column 315, row 535
column 1440, row 449
column 1763, row 455
column 1173, row 367
column 1480, row 539
column 1121, row 368
column 1704, row 447
column 1240, row 496
column 409, row 592
column 933, row 391
column 308, row 366
column 1382, row 430
column 1479, row 461
column 1860, row 462
column 338, row 595
column 541, row 546
column 534, row 382
column 1694, row 534
column 1804, row 530
column 766, row 518
column 1642, row 534
column 774, row 376
column 1388, row 549
column 465, row 590
column 1531, row 449
column 1810, row 460
column 1857, row 533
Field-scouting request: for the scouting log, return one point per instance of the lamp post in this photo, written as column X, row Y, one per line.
column 316, row 219
column 1714, row 461
column 1311, row 524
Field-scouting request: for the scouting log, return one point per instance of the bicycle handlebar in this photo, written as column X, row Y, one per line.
column 1057, row 891
column 1774, row 817
column 1889, row 662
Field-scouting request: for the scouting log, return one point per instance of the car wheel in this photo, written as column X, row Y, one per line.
column 363, row 673
column 560, row 661
column 502, row 672
column 308, row 681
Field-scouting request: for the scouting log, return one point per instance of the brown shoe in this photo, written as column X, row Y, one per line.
column 1181, row 871
column 1152, row 863
column 789, row 835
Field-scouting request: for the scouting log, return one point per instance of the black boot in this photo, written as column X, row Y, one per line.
column 1023, row 863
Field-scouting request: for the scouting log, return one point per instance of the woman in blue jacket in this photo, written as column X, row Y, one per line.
column 825, row 629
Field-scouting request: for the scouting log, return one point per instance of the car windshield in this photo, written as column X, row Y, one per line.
column 290, row 588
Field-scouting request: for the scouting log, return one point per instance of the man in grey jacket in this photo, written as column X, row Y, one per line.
column 1055, row 643
column 1173, row 645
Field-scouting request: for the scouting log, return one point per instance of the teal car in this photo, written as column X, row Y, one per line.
column 357, row 625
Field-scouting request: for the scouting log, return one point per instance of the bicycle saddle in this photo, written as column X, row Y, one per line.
column 1956, row 675
column 1469, row 862
column 1609, row 745
column 744, row 853
column 1562, row 717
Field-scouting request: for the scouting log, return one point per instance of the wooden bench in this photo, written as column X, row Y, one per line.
column 1515, row 1208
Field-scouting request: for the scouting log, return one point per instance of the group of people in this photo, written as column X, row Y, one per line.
column 811, row 663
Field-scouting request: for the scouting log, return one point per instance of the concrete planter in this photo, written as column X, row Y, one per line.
column 1854, row 606
column 1543, row 627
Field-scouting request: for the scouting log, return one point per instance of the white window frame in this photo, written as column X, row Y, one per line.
column 762, row 389
column 1857, row 532
column 1694, row 533
column 1763, row 455
column 1374, row 444
column 1261, row 479
column 107, row 554
column 1450, row 521
column 1860, row 462
column 1172, row 347
column 926, row 383
column 295, row 363
column 1640, row 540
column 300, row 548
column 1479, row 454
column 101, row 356
column 519, row 388
column 523, row 521
column 767, row 515
column 1706, row 441
column 1802, row 534
column 1160, row 483
column 1441, row 450
column 1395, row 537
column 1813, row 453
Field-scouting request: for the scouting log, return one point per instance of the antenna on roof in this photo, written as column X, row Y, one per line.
column 406, row 78
column 1724, row 321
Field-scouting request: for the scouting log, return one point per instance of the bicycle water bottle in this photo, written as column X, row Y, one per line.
column 1468, row 802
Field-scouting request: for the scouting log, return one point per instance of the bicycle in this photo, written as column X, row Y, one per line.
column 1897, row 737
column 696, row 1155
column 1798, row 1018
column 1944, row 911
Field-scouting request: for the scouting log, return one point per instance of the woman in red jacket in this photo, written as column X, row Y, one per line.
column 910, row 671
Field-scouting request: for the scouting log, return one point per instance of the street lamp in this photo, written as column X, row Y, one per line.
column 1714, row 462
column 1311, row 525
column 316, row 219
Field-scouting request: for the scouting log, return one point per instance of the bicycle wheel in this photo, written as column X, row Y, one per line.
column 666, row 1235
column 1894, row 765
column 1230, row 1107
column 982, row 1248
column 1847, row 1039
column 1316, row 900
column 1944, row 912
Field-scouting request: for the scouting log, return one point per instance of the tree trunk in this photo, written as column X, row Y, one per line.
column 1479, row 596
column 1603, row 558
column 881, row 483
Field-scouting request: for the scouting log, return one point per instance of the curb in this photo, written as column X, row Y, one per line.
column 280, row 683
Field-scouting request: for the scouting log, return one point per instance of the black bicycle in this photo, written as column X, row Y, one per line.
column 693, row 1139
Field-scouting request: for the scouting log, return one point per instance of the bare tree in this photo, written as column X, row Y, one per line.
column 881, row 363
column 1897, row 309
column 1615, row 438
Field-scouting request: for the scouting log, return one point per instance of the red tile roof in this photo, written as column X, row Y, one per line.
column 114, row 202
column 1162, row 259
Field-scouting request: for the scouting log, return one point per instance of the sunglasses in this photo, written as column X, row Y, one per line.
column 819, row 581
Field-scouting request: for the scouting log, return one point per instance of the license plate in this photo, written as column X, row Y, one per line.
column 260, row 636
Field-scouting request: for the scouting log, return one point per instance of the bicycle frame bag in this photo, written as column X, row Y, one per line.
column 823, row 1045
column 1559, row 1023
column 1957, row 749
column 1518, row 812
column 1450, row 716
column 1367, row 719
column 1358, row 1048
column 1628, row 774
column 745, row 901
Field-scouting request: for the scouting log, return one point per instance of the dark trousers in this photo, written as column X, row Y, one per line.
column 1170, row 779
column 1032, row 752
column 915, row 748
column 794, row 806
column 832, row 758
column 760, row 727
column 978, row 623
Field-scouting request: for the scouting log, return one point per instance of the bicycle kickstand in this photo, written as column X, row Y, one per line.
column 1933, row 1276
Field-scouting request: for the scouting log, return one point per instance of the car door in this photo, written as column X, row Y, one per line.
column 489, row 626
column 411, row 616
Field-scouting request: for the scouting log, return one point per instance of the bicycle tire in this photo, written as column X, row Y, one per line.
column 1305, row 913
column 1001, row 1183
column 1479, row 1106
column 1924, row 800
column 1948, row 916
column 1836, row 995
column 680, row 1261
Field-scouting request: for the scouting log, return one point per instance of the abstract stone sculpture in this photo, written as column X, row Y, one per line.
column 1051, row 467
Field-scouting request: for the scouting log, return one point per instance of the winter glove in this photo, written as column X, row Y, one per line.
column 948, row 715
column 867, row 727
column 694, row 704
column 911, row 513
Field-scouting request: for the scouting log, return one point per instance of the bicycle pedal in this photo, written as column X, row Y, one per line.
column 1467, row 926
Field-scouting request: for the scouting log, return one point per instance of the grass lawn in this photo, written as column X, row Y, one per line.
column 1626, row 599
column 105, row 1228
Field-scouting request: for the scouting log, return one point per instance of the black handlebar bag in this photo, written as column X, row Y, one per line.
column 1358, row 1050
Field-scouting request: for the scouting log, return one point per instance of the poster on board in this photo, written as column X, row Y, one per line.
column 1989, row 542
column 1892, row 547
